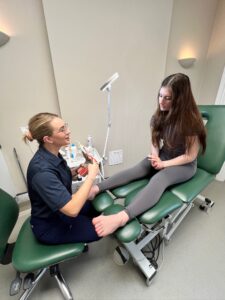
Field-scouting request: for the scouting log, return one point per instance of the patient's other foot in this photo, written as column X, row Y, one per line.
column 93, row 192
column 105, row 225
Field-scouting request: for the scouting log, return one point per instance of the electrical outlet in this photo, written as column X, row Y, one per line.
column 115, row 157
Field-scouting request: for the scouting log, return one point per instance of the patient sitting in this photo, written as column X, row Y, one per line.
column 177, row 133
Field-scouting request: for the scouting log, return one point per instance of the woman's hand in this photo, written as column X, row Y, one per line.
column 73, row 171
column 156, row 162
column 93, row 170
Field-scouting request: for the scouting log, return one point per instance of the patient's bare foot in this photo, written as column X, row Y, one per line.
column 93, row 192
column 104, row 225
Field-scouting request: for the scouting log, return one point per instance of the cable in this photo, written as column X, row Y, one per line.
column 162, row 251
column 152, row 250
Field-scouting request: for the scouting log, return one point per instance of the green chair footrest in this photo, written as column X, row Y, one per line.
column 170, row 201
column 188, row 190
column 102, row 201
column 167, row 204
column 130, row 231
column 123, row 191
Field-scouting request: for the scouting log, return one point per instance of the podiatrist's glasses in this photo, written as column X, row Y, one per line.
column 64, row 128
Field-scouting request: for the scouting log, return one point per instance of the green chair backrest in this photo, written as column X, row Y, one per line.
column 214, row 157
column 9, row 211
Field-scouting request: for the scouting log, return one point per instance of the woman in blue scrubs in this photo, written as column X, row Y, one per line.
column 57, row 215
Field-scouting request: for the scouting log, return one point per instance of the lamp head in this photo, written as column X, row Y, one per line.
column 109, row 82
column 4, row 38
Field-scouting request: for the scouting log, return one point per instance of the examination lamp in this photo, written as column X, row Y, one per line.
column 4, row 38
column 108, row 83
column 107, row 87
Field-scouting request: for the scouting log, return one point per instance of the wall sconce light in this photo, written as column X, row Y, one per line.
column 4, row 38
column 187, row 62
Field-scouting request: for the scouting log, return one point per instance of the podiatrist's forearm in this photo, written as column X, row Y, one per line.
column 73, row 207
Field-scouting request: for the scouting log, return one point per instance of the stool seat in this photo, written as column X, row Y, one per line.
column 30, row 255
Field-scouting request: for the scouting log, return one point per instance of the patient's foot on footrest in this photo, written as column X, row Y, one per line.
column 129, row 232
column 105, row 225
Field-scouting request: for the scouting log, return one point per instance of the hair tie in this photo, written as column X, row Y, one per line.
column 29, row 136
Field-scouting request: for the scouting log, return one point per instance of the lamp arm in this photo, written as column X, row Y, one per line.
column 107, row 87
column 109, row 121
column 109, row 105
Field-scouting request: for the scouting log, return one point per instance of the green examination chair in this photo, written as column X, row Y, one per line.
column 164, row 218
column 30, row 256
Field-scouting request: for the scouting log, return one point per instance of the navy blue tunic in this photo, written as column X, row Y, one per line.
column 49, row 186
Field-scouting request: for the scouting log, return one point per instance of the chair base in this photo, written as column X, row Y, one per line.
column 54, row 272
column 145, row 266
column 64, row 288
column 163, row 229
column 7, row 259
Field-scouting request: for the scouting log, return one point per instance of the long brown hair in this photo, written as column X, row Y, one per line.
column 183, row 117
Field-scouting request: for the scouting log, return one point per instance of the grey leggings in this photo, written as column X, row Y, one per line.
column 151, row 193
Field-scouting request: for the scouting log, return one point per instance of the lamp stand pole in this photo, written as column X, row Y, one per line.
column 104, row 158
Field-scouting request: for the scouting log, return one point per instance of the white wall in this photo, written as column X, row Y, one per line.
column 213, row 68
column 27, row 80
column 5, row 179
column 191, row 29
column 91, row 40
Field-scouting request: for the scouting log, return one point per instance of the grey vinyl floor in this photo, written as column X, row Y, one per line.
column 193, row 267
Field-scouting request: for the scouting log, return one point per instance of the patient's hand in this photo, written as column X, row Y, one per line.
column 156, row 162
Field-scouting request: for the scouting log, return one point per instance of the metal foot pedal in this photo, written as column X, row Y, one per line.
column 15, row 285
column 28, row 280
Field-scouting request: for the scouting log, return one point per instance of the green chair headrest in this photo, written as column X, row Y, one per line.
column 214, row 156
